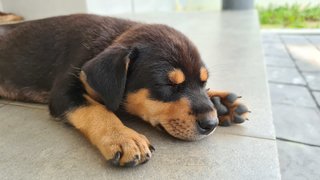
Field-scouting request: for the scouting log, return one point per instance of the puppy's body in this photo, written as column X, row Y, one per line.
column 35, row 54
column 86, row 66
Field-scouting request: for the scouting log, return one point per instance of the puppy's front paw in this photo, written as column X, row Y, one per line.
column 125, row 147
column 229, row 109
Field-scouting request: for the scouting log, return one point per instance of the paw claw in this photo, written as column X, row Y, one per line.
column 241, row 109
column 131, row 163
column 125, row 148
column 152, row 149
column 116, row 158
column 238, row 119
column 148, row 156
column 231, row 97
column 136, row 157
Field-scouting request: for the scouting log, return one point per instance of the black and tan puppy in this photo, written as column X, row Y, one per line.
column 87, row 66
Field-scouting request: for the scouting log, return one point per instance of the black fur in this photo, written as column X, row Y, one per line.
column 47, row 56
column 107, row 74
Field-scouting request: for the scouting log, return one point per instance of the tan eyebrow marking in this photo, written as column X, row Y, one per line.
column 176, row 76
column 203, row 74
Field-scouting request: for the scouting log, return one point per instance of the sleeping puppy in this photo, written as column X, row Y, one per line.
column 86, row 67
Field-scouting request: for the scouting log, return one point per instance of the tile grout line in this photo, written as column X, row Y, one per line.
column 297, row 142
column 288, row 84
column 275, row 66
column 286, row 67
column 298, row 106
column 242, row 135
column 311, row 43
column 300, row 72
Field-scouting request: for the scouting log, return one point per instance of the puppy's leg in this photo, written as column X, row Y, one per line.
column 102, row 127
column 229, row 109
column 114, row 140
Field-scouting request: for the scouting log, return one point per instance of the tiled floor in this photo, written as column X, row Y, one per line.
column 293, row 66
column 33, row 146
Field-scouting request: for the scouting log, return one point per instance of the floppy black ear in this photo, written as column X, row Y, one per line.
column 107, row 73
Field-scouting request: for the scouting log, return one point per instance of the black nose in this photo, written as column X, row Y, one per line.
column 206, row 126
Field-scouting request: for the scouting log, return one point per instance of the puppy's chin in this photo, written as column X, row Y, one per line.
column 189, row 135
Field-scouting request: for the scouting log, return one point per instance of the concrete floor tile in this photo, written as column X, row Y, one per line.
column 308, row 65
column 317, row 96
column 278, row 46
column 313, row 79
column 294, row 39
column 279, row 61
column 314, row 39
column 307, row 56
column 270, row 38
column 285, row 75
column 275, row 54
column 297, row 123
column 276, row 49
column 291, row 95
column 2, row 101
column 298, row 161
column 36, row 147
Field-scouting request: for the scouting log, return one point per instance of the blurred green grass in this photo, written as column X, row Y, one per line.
column 289, row 16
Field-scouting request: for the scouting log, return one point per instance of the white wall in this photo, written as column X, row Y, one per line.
column 106, row 7
column 35, row 9
column 1, row 9
column 200, row 5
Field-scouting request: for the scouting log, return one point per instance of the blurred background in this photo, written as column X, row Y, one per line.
column 34, row 9
column 290, row 37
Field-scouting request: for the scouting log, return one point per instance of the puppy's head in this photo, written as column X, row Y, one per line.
column 158, row 75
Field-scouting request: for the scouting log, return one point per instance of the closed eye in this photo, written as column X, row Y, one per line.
column 175, row 87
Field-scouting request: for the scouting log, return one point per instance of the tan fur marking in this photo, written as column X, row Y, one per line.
column 222, row 94
column 93, row 120
column 90, row 91
column 176, row 76
column 175, row 117
column 104, row 129
column 203, row 74
column 9, row 18
column 127, row 64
